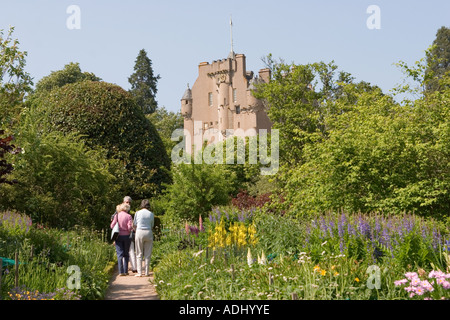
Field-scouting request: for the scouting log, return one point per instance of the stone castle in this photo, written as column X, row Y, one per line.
column 221, row 103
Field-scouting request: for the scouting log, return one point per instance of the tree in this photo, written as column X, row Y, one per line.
column 297, row 98
column 378, row 156
column 15, row 83
column 108, row 117
column 438, row 61
column 165, row 123
column 144, row 83
column 5, row 167
column 197, row 188
column 59, row 182
column 70, row 74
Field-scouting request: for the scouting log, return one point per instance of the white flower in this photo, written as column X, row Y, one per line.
column 187, row 286
column 249, row 258
column 263, row 258
column 198, row 253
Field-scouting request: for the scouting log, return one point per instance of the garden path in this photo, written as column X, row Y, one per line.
column 131, row 287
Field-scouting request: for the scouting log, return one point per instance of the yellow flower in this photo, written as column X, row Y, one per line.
column 336, row 274
column 323, row 272
column 356, row 279
column 316, row 268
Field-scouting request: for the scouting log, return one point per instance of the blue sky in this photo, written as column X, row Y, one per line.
column 179, row 34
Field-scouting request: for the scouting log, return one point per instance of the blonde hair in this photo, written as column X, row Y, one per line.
column 123, row 207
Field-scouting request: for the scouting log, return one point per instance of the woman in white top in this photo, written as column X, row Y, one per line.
column 144, row 221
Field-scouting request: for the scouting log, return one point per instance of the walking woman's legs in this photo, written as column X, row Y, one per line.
column 119, row 252
column 139, row 249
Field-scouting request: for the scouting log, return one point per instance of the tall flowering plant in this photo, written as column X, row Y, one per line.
column 15, row 223
column 237, row 234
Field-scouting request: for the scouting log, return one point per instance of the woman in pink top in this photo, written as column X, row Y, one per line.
column 123, row 241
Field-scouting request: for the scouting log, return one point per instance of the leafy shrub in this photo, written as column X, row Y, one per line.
column 60, row 182
column 197, row 188
column 244, row 200
column 109, row 118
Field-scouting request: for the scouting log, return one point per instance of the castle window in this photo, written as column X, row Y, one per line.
column 234, row 95
column 239, row 124
column 238, row 110
column 210, row 99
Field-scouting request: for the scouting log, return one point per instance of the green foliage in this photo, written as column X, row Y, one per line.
column 279, row 235
column 60, row 182
column 45, row 255
column 303, row 257
column 144, row 83
column 378, row 156
column 197, row 188
column 438, row 60
column 108, row 117
column 56, row 79
column 166, row 122
column 15, row 83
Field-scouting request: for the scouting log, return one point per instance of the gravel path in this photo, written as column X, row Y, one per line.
column 131, row 287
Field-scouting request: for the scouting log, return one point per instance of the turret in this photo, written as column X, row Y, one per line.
column 186, row 104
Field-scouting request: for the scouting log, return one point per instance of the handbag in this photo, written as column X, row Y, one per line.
column 115, row 231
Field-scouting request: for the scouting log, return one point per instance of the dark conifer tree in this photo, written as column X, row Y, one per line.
column 144, row 83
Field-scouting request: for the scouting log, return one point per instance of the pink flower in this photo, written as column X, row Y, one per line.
column 415, row 281
column 426, row 285
column 200, row 220
column 446, row 285
column 436, row 274
column 400, row 282
column 411, row 275
column 420, row 291
column 409, row 289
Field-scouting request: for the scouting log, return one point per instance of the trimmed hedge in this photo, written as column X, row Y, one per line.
column 109, row 118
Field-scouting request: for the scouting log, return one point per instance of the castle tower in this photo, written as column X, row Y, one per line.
column 221, row 99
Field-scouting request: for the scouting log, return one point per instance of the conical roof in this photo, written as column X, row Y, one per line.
column 187, row 94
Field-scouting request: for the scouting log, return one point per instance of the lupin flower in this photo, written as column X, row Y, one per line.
column 263, row 258
column 249, row 258
column 200, row 224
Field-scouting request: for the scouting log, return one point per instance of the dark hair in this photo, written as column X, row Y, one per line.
column 145, row 204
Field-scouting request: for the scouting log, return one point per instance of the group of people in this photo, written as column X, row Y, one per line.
column 135, row 241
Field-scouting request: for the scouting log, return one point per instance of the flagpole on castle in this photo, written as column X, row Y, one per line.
column 231, row 33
